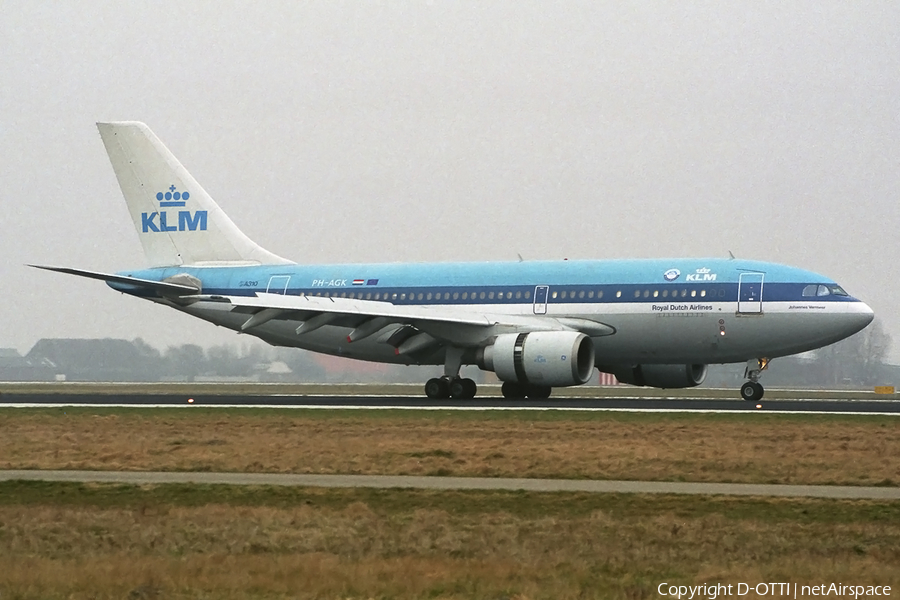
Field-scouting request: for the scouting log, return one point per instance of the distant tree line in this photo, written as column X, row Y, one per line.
column 857, row 362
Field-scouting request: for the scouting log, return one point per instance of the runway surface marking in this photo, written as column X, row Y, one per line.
column 457, row 483
column 184, row 404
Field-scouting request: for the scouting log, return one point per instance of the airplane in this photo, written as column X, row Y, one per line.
column 535, row 324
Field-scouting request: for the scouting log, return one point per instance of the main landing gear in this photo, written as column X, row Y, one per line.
column 753, row 390
column 451, row 385
column 444, row 387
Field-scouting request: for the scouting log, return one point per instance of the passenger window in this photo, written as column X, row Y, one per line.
column 646, row 293
column 509, row 295
column 693, row 293
column 683, row 293
column 562, row 294
column 581, row 294
column 810, row 290
column 591, row 294
column 600, row 294
column 369, row 296
column 394, row 296
column 518, row 295
column 456, row 295
column 490, row 295
column 655, row 293
column 554, row 294
column 481, row 296
column 637, row 293
column 665, row 293
column 619, row 294
column 428, row 296
column 446, row 295
column 465, row 295
column 528, row 295
column 823, row 291
column 403, row 296
column 703, row 293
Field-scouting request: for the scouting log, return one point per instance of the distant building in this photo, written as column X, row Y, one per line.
column 95, row 360
column 15, row 367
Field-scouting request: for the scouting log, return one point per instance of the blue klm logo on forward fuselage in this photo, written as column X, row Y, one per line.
column 187, row 221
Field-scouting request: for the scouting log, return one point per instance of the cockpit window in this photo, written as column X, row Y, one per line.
column 823, row 290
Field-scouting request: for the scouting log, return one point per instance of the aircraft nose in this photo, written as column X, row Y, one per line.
column 859, row 317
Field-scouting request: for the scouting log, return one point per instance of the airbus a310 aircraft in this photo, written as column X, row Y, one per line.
column 537, row 325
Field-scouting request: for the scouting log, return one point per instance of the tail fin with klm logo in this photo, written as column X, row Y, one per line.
column 177, row 222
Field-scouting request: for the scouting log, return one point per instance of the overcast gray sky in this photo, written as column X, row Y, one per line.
column 395, row 131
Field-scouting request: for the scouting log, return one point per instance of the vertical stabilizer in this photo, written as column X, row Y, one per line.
column 177, row 222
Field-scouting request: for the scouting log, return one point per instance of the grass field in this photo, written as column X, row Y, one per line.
column 102, row 541
column 78, row 541
column 747, row 448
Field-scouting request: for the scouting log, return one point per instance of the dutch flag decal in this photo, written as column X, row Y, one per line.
column 359, row 281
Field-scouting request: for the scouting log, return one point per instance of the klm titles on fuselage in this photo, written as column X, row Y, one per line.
column 703, row 274
column 159, row 221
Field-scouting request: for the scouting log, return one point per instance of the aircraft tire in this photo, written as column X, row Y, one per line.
column 462, row 389
column 752, row 391
column 539, row 392
column 512, row 391
column 437, row 389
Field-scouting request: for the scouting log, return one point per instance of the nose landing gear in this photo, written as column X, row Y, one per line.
column 753, row 390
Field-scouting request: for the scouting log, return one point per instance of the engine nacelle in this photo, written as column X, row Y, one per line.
column 550, row 358
column 661, row 376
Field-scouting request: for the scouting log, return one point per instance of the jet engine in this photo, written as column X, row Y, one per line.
column 545, row 358
column 660, row 376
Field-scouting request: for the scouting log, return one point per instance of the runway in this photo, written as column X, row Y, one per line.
column 457, row 483
column 673, row 404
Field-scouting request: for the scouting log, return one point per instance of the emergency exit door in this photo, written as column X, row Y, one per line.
column 278, row 284
column 540, row 299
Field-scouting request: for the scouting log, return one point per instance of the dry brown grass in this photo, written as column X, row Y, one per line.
column 357, row 551
column 710, row 448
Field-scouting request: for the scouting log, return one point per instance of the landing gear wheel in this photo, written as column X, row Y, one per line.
column 462, row 389
column 512, row 391
column 539, row 392
column 752, row 390
column 437, row 389
column 471, row 388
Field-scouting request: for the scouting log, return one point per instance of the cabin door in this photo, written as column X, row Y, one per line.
column 750, row 293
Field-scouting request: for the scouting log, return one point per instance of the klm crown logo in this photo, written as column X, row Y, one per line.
column 158, row 221
column 165, row 199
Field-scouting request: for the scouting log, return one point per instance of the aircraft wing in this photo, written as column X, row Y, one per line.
column 445, row 324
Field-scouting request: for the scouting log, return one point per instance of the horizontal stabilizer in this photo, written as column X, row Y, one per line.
column 162, row 287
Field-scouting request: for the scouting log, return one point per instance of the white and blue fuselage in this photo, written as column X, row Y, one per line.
column 662, row 311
